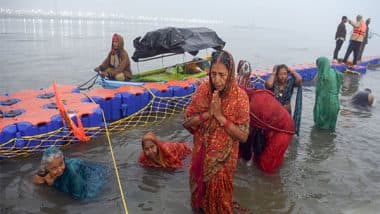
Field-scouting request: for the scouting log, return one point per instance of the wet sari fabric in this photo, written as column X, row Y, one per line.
column 215, row 152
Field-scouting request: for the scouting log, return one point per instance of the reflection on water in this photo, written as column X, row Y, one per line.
column 323, row 172
column 321, row 145
column 350, row 84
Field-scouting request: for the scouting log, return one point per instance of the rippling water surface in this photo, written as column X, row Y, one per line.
column 323, row 172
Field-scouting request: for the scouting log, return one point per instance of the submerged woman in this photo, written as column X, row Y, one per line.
column 327, row 104
column 117, row 65
column 79, row 178
column 218, row 118
column 282, row 87
column 162, row 154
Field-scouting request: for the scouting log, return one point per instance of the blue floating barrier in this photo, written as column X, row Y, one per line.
column 162, row 103
column 179, row 91
column 27, row 129
column 132, row 103
column 110, row 106
column 265, row 77
column 6, row 134
column 93, row 120
column 162, row 93
column 360, row 69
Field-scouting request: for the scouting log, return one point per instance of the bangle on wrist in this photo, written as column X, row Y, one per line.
column 201, row 117
column 226, row 124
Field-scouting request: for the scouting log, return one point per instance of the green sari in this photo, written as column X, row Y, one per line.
column 327, row 104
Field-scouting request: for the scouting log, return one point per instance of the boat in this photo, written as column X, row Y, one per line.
column 61, row 115
column 32, row 120
column 168, row 42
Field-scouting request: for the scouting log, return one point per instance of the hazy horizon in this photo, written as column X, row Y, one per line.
column 292, row 14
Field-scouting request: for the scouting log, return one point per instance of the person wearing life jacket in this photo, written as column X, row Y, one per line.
column 357, row 38
column 117, row 65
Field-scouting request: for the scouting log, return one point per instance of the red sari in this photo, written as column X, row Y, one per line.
column 268, row 114
column 171, row 155
column 215, row 152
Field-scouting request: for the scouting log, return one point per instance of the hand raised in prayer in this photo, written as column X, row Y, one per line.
column 216, row 106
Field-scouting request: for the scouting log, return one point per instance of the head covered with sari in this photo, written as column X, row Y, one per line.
column 120, row 41
column 226, row 59
column 327, row 104
column 214, row 149
column 168, row 155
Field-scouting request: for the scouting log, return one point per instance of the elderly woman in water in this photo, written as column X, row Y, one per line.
column 218, row 118
column 158, row 154
column 79, row 178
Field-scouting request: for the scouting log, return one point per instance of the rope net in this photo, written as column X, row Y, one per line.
column 158, row 110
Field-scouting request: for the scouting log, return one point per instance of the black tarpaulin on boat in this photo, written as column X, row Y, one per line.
column 176, row 41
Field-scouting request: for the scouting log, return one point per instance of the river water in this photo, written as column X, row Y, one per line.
column 323, row 172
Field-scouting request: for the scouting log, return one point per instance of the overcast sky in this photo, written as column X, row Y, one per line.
column 305, row 17
column 276, row 13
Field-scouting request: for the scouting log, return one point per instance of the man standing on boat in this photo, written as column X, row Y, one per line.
column 357, row 38
column 365, row 41
column 340, row 36
column 117, row 65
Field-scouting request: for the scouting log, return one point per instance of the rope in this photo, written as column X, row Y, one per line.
column 270, row 126
column 113, row 159
column 152, row 113
column 351, row 72
column 80, row 87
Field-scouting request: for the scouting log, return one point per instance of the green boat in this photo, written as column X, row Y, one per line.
column 167, row 42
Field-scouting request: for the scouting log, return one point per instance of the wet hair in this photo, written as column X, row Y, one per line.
column 50, row 154
column 226, row 59
column 344, row 18
column 368, row 90
column 282, row 66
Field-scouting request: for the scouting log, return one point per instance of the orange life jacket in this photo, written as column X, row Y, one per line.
column 359, row 32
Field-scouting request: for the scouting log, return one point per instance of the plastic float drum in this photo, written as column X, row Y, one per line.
column 160, row 90
column 134, row 98
column 181, row 88
column 109, row 101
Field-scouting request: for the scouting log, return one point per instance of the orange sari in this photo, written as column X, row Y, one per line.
column 215, row 152
column 170, row 155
